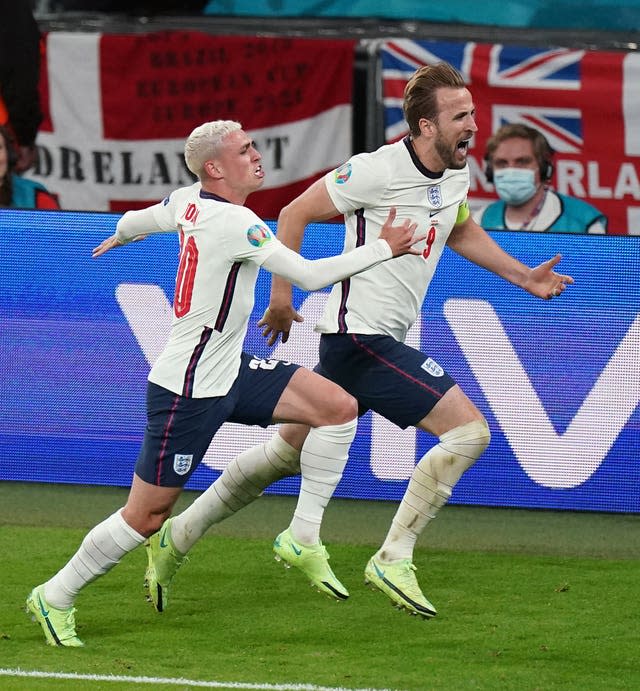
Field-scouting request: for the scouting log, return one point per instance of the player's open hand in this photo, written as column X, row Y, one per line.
column 111, row 242
column 277, row 321
column 106, row 245
column 544, row 282
column 401, row 238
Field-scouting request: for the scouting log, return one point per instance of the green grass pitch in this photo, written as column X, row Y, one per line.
column 527, row 600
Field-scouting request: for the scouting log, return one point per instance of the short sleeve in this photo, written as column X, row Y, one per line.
column 248, row 237
column 356, row 184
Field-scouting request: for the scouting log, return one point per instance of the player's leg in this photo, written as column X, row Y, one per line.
column 409, row 389
column 258, row 390
column 173, row 448
column 166, row 460
column 463, row 436
column 331, row 414
column 52, row 603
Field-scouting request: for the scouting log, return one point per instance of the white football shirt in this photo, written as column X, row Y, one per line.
column 386, row 298
column 222, row 246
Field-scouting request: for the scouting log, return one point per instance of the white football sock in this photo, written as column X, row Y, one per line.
column 243, row 480
column 430, row 486
column 100, row 551
column 323, row 458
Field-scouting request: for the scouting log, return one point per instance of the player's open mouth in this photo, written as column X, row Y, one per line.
column 463, row 145
column 259, row 172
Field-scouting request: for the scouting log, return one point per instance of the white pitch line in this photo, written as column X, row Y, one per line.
column 176, row 682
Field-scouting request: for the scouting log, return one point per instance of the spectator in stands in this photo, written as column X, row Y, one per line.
column 519, row 164
column 20, row 109
column 16, row 191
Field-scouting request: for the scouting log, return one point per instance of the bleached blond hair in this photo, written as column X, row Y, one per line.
column 204, row 142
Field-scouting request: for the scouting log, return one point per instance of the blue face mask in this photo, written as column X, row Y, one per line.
column 515, row 185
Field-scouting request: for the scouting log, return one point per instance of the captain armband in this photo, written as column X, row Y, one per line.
column 463, row 212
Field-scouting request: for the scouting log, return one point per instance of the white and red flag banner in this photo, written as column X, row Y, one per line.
column 118, row 108
column 586, row 103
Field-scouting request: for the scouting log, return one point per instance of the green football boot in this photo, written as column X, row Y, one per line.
column 163, row 562
column 58, row 625
column 312, row 560
column 398, row 582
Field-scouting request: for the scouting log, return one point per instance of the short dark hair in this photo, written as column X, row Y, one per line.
column 420, row 93
column 542, row 150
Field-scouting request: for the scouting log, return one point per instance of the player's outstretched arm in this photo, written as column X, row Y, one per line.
column 320, row 273
column 472, row 242
column 132, row 226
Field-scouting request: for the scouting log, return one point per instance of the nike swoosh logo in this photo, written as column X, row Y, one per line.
column 43, row 611
column 433, row 213
column 163, row 544
column 378, row 571
column 295, row 549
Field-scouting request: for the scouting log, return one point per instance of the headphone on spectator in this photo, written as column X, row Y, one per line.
column 541, row 148
column 11, row 147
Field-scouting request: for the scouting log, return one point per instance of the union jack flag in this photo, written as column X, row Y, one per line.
column 565, row 93
column 532, row 68
column 518, row 68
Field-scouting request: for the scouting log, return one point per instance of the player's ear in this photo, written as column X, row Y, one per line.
column 212, row 169
column 427, row 127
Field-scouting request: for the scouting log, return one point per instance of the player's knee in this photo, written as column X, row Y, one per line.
column 340, row 409
column 144, row 522
column 466, row 443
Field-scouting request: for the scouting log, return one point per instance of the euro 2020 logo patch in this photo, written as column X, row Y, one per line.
column 434, row 195
column 258, row 235
column 342, row 174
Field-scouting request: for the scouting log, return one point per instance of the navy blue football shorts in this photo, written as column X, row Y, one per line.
column 397, row 381
column 179, row 429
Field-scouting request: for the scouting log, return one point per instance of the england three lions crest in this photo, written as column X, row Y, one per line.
column 434, row 195
column 182, row 463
